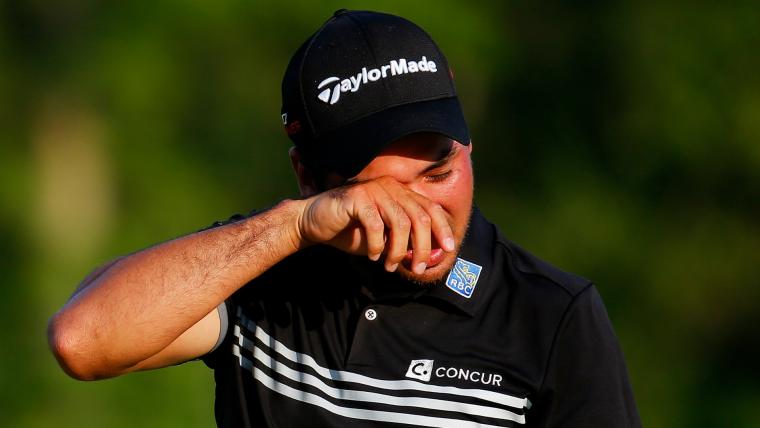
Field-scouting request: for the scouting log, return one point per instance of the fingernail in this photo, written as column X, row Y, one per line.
column 393, row 267
column 449, row 244
column 374, row 257
column 419, row 268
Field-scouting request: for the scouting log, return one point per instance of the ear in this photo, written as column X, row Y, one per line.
column 306, row 183
column 469, row 147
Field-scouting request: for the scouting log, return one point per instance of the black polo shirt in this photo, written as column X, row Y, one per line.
column 325, row 339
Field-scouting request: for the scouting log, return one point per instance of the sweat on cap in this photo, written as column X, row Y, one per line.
column 362, row 81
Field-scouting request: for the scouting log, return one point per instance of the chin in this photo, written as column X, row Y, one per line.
column 432, row 275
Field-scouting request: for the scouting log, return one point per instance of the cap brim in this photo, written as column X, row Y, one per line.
column 353, row 147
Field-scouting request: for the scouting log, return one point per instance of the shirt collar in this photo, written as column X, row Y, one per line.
column 476, row 249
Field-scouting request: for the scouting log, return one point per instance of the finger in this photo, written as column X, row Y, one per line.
column 374, row 229
column 399, row 225
column 440, row 227
column 420, row 233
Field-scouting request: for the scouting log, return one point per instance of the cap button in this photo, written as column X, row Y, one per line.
column 340, row 12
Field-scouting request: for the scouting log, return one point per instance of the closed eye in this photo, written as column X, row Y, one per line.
column 438, row 177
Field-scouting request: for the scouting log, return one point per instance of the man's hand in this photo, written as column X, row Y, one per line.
column 376, row 217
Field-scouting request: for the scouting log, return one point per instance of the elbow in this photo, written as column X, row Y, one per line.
column 72, row 350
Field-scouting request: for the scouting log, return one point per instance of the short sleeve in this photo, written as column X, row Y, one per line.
column 586, row 382
column 212, row 357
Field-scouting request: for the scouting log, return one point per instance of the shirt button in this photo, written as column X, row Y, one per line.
column 370, row 314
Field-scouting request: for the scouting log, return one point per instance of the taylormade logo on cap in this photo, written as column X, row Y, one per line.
column 398, row 67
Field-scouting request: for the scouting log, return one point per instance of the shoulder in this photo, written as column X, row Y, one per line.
column 527, row 269
column 532, row 291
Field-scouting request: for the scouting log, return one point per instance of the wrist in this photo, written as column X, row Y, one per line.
column 293, row 212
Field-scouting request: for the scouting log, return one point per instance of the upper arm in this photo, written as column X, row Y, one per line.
column 195, row 342
column 586, row 382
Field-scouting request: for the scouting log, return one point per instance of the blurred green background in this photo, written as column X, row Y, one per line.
column 616, row 139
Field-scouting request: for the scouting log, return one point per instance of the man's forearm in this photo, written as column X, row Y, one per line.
column 140, row 304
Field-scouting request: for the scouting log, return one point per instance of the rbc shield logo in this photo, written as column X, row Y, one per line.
column 463, row 277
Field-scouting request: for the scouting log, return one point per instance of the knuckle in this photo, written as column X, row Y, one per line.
column 375, row 226
column 368, row 212
column 404, row 222
column 424, row 219
column 436, row 208
column 371, row 227
column 398, row 210
column 372, row 220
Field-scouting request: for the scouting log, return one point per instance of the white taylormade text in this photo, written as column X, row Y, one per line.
column 352, row 83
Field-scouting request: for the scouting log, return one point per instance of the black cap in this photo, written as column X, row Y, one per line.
column 363, row 80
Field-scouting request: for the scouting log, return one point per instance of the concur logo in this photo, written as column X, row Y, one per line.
column 423, row 370
column 420, row 369
column 331, row 93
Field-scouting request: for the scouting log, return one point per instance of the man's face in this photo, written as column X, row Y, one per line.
column 439, row 169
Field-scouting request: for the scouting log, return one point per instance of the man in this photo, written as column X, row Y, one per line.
column 382, row 297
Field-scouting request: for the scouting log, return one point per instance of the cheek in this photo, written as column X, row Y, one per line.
column 455, row 195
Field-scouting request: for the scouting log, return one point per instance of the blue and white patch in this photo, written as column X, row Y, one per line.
column 464, row 277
